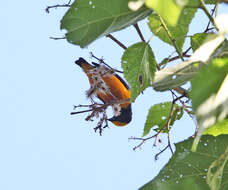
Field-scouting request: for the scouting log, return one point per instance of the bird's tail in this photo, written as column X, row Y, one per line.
column 84, row 64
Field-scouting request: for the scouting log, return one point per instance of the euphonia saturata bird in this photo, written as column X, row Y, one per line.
column 108, row 87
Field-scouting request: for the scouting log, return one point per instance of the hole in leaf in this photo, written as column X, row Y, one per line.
column 140, row 81
column 163, row 117
column 155, row 127
column 185, row 12
column 174, row 76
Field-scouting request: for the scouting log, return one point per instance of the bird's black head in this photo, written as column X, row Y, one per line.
column 124, row 118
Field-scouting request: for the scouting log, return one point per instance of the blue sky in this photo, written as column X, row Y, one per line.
column 42, row 146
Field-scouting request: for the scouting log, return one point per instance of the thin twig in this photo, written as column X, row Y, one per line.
column 139, row 31
column 57, row 6
column 143, row 140
column 156, row 156
column 96, row 109
column 184, row 107
column 115, row 40
column 59, row 38
column 102, row 61
column 78, row 112
column 101, row 106
column 184, row 54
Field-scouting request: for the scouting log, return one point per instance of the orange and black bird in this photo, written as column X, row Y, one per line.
column 108, row 87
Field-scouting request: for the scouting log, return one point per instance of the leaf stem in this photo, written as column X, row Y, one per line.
column 170, row 37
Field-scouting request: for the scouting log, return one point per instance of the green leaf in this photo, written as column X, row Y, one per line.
column 164, row 62
column 209, row 95
column 211, row 44
column 88, row 20
column 197, row 40
column 139, row 67
column 158, row 117
column 208, row 81
column 168, row 10
column 177, row 75
column 219, row 128
column 178, row 32
column 189, row 170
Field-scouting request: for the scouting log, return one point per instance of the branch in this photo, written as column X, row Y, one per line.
column 115, row 40
column 184, row 54
column 184, row 107
column 167, row 126
column 203, row 7
column 207, row 28
column 139, row 32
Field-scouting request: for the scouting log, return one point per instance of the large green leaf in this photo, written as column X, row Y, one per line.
column 158, row 116
column 208, row 81
column 209, row 95
column 177, row 75
column 139, row 67
column 190, row 170
column 88, row 20
column 177, row 32
column 168, row 10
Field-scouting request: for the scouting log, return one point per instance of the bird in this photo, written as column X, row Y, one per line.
column 109, row 87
